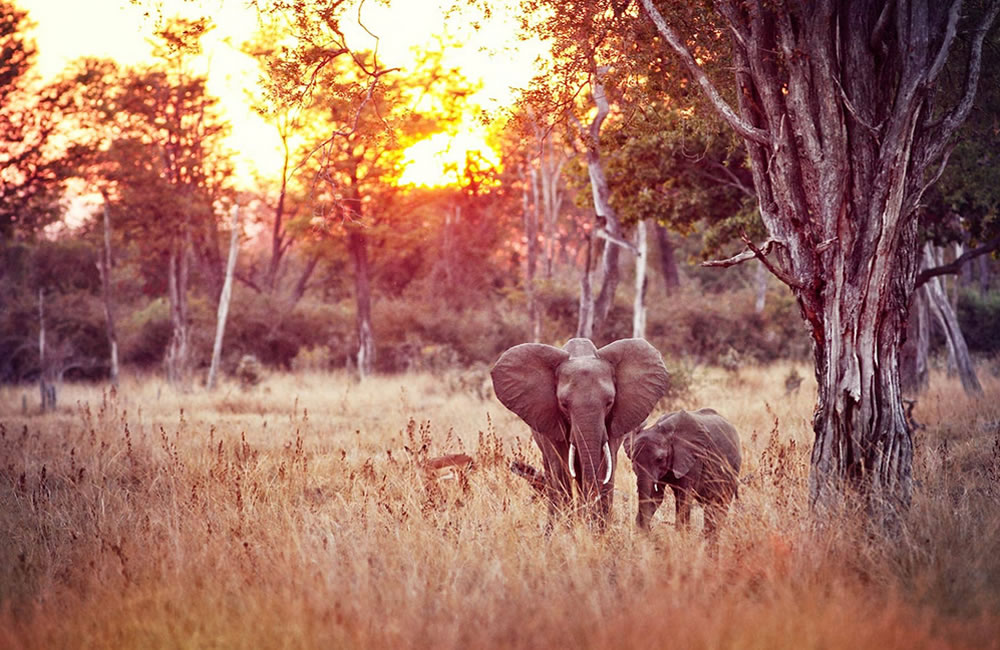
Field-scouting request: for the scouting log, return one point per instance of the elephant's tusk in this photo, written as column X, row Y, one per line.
column 607, row 460
column 572, row 454
column 656, row 487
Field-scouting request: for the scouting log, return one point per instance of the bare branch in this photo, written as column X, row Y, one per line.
column 960, row 112
column 751, row 252
column 740, row 125
column 602, row 233
column 880, row 25
column 956, row 266
column 946, row 41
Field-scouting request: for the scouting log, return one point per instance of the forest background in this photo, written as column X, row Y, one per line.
column 346, row 258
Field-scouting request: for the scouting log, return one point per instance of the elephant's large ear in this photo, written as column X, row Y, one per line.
column 682, row 458
column 524, row 380
column 641, row 380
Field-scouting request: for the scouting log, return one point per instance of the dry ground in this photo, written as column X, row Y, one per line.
column 292, row 515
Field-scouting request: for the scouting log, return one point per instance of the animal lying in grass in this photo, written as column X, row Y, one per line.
column 697, row 455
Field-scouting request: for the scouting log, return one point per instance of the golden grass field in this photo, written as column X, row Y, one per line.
column 292, row 515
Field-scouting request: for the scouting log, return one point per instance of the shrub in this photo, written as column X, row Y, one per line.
column 249, row 372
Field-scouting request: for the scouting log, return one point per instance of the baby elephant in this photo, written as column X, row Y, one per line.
column 697, row 454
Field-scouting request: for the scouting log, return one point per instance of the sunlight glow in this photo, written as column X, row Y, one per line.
column 438, row 161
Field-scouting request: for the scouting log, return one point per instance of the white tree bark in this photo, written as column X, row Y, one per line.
column 641, row 258
column 224, row 298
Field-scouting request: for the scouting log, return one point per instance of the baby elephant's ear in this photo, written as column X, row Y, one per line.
column 524, row 380
column 683, row 458
column 641, row 380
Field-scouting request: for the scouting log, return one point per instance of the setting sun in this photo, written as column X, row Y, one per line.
column 438, row 161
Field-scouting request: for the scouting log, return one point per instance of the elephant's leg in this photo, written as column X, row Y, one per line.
column 715, row 514
column 557, row 488
column 650, row 498
column 682, row 507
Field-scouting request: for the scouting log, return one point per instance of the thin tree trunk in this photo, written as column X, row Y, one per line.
column 585, row 318
column 639, row 307
column 300, row 286
column 278, row 245
column 760, row 281
column 109, row 317
column 607, row 218
column 227, row 292
column 668, row 261
column 357, row 245
column 983, row 264
column 45, row 386
column 610, row 259
column 914, row 371
column 177, row 350
column 945, row 316
column 530, row 217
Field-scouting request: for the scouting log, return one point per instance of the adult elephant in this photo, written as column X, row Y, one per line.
column 580, row 402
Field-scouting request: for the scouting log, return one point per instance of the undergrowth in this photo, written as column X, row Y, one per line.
column 297, row 514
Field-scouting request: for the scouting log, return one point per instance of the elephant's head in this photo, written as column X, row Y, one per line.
column 584, row 400
column 658, row 457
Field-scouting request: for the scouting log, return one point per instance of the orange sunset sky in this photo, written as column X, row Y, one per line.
column 118, row 29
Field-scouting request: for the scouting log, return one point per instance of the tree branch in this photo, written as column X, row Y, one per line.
column 740, row 125
column 602, row 233
column 957, row 115
column 949, row 36
column 751, row 252
column 954, row 267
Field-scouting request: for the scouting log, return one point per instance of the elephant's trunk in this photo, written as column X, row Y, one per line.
column 592, row 464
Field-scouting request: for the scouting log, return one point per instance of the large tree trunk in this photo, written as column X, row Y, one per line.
column 863, row 439
column 227, row 292
column 639, row 306
column 944, row 314
column 668, row 261
column 104, row 266
column 357, row 246
column 844, row 121
column 178, row 351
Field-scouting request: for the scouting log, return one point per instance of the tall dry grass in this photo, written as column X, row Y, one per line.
column 294, row 516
